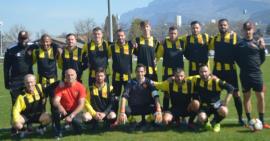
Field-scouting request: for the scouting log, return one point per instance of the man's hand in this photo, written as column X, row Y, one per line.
column 158, row 117
column 69, row 118
column 261, row 43
column 122, row 118
column 62, row 111
column 102, row 115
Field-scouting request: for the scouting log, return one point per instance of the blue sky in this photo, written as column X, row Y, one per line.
column 58, row 16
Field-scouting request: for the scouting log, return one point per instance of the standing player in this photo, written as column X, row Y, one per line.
column 71, row 57
column 121, row 65
column 224, row 44
column 196, row 48
column 97, row 53
column 250, row 55
column 46, row 58
column 172, row 52
column 145, row 50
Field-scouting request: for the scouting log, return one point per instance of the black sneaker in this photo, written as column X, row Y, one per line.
column 58, row 135
column 241, row 122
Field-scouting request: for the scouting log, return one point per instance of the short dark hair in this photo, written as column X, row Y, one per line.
column 195, row 22
column 203, row 65
column 140, row 66
column 223, row 20
column 248, row 25
column 100, row 70
column 178, row 70
column 172, row 28
column 144, row 23
column 96, row 29
column 120, row 30
column 70, row 34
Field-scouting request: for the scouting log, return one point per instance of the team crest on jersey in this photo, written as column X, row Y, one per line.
column 75, row 93
column 144, row 85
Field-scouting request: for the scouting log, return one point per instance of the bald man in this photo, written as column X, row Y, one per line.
column 69, row 101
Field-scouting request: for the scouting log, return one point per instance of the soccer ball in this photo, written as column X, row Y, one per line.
column 255, row 125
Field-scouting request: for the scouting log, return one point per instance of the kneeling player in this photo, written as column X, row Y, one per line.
column 30, row 106
column 180, row 91
column 142, row 98
column 101, row 100
column 208, row 89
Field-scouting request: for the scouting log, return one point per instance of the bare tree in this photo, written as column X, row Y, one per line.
column 134, row 30
column 107, row 27
column 84, row 28
column 40, row 33
column 12, row 34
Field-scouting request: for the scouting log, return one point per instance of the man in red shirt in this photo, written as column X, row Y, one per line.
column 69, row 101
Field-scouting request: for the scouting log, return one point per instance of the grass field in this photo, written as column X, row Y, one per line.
column 230, row 131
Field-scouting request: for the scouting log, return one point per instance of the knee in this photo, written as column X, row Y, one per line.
column 202, row 117
column 111, row 115
column 194, row 106
column 86, row 117
column 223, row 111
column 167, row 118
column 17, row 125
column 45, row 118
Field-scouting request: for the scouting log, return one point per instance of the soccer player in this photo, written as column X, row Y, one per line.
column 145, row 50
column 208, row 89
column 224, row 44
column 69, row 100
column 196, row 48
column 30, row 106
column 17, row 63
column 97, row 53
column 71, row 57
column 181, row 94
column 46, row 58
column 172, row 52
column 101, row 99
column 121, row 65
column 142, row 98
column 250, row 55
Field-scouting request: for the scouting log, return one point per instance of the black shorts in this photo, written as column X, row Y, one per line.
column 249, row 83
column 228, row 76
column 209, row 109
column 183, row 112
column 140, row 110
column 32, row 118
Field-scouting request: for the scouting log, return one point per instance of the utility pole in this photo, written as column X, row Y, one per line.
column 110, row 21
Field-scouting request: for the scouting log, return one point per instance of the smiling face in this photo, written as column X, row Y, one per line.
column 223, row 27
column 71, row 41
column 100, row 78
column 70, row 76
column 173, row 34
column 97, row 36
column 121, row 37
column 179, row 76
column 196, row 29
column 46, row 42
column 140, row 72
column 204, row 73
column 30, row 83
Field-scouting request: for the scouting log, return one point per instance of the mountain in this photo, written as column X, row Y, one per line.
column 202, row 10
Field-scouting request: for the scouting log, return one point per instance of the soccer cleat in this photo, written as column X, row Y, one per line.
column 216, row 128
column 58, row 136
column 208, row 126
column 241, row 122
column 266, row 126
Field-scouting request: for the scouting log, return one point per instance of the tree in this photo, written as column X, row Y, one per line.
column 268, row 29
column 211, row 28
column 134, row 30
column 107, row 27
column 12, row 35
column 83, row 28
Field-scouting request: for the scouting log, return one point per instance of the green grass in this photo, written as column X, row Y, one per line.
column 230, row 130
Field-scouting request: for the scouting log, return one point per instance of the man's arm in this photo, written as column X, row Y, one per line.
column 79, row 108
column 7, row 66
column 17, row 108
column 57, row 104
column 229, row 89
